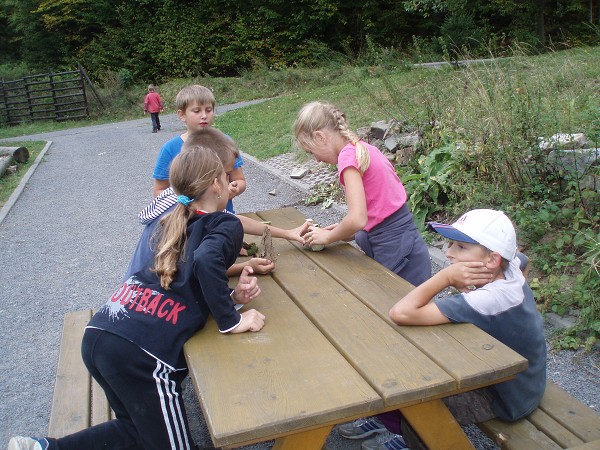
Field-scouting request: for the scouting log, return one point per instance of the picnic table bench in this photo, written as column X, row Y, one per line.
column 349, row 361
column 78, row 401
column 560, row 422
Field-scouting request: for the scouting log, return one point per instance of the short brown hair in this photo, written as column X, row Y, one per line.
column 194, row 93
column 209, row 137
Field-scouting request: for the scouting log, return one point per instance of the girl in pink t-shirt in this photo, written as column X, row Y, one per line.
column 378, row 217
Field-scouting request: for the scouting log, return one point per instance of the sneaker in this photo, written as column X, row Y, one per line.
column 385, row 441
column 27, row 443
column 361, row 428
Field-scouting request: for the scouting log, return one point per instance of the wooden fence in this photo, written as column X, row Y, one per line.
column 53, row 96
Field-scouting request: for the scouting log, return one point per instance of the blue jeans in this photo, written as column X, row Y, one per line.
column 155, row 121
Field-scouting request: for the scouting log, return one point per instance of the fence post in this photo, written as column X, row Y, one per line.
column 3, row 106
column 84, row 74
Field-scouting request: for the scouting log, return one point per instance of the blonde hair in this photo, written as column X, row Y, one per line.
column 194, row 93
column 151, row 88
column 209, row 137
column 192, row 172
column 320, row 115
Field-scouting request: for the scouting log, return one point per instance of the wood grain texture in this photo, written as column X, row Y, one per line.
column 446, row 434
column 244, row 381
column 465, row 352
column 560, row 422
column 580, row 419
column 71, row 402
column 329, row 353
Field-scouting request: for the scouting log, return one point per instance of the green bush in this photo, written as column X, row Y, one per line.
column 481, row 127
column 14, row 71
column 125, row 78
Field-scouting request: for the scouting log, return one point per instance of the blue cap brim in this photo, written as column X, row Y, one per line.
column 448, row 231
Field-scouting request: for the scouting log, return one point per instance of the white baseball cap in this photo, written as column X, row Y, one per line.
column 487, row 227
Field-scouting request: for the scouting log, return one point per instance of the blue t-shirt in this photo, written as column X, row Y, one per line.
column 169, row 151
column 505, row 309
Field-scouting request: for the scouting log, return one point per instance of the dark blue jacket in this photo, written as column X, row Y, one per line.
column 160, row 321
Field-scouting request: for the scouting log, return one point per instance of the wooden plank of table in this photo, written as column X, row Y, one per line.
column 523, row 436
column 253, row 404
column 465, row 351
column 470, row 355
column 395, row 368
column 587, row 446
column 356, row 331
column 553, row 429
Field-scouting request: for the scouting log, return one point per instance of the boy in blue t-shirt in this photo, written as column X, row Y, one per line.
column 196, row 108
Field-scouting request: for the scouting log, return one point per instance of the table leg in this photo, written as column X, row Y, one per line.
column 436, row 426
column 306, row 440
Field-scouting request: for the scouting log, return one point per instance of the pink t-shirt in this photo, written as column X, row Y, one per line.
column 384, row 192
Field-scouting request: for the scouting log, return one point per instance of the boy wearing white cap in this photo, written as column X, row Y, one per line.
column 495, row 297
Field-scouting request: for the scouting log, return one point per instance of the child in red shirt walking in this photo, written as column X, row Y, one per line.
column 154, row 105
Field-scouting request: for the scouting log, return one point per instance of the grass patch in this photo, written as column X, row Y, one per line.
column 9, row 182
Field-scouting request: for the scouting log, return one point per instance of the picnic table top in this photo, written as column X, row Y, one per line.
column 329, row 352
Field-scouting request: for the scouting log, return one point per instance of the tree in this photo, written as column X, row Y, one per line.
column 29, row 40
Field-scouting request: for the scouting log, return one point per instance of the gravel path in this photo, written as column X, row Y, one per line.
column 66, row 242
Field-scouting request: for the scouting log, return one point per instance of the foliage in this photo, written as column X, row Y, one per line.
column 13, row 71
column 429, row 183
column 161, row 39
column 481, row 128
column 125, row 78
column 326, row 194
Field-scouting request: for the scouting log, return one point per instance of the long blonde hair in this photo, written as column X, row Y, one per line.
column 320, row 115
column 192, row 172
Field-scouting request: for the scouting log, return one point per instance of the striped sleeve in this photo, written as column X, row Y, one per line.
column 159, row 205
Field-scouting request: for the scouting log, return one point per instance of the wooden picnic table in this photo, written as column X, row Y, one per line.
column 329, row 354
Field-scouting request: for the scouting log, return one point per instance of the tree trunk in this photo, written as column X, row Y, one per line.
column 8, row 154
column 5, row 161
column 20, row 154
column 540, row 6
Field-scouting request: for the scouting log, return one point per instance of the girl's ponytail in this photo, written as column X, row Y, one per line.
column 362, row 153
column 362, row 156
column 171, row 243
column 192, row 172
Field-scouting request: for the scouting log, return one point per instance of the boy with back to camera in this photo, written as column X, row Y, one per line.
column 153, row 104
column 493, row 295
column 196, row 108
